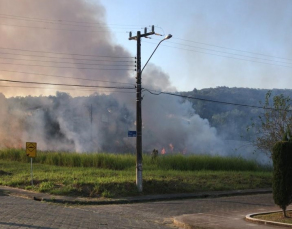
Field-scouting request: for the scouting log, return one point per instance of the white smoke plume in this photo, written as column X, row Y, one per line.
column 79, row 120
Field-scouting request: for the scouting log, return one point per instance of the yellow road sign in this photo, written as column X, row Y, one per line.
column 31, row 148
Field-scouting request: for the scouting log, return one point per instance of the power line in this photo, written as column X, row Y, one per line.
column 56, row 29
column 229, row 53
column 210, row 100
column 62, row 62
column 231, row 48
column 70, row 54
column 223, row 56
column 45, row 66
column 101, row 90
column 62, row 21
column 67, row 85
column 68, row 77
column 65, row 58
column 95, row 25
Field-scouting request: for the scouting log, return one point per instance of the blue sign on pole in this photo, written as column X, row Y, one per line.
column 132, row 133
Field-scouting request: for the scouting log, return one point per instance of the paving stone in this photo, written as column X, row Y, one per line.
column 16, row 212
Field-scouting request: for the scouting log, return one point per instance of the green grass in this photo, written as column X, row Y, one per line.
column 107, row 175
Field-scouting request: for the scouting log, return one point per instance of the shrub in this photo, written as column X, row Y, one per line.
column 282, row 174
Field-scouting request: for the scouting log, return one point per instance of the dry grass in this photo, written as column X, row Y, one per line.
column 276, row 217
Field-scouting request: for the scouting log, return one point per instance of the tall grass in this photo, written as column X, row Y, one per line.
column 125, row 161
column 98, row 160
column 206, row 162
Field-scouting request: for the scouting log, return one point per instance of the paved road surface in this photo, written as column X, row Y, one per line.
column 16, row 212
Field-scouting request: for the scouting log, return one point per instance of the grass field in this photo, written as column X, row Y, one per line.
column 112, row 175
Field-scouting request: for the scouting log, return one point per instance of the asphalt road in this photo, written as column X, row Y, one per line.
column 16, row 212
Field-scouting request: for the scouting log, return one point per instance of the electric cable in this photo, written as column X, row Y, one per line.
column 60, row 20
column 62, row 53
column 57, row 29
column 210, row 100
column 238, row 50
column 46, row 66
column 65, row 58
column 67, row 85
column 212, row 50
column 62, row 62
column 68, row 77
column 23, row 87
column 223, row 56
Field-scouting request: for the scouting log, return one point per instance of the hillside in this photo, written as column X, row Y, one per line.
column 231, row 120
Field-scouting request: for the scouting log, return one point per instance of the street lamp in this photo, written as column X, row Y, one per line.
column 165, row 38
column 139, row 180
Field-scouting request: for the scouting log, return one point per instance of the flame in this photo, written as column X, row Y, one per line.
column 163, row 151
column 171, row 146
column 184, row 151
column 10, row 144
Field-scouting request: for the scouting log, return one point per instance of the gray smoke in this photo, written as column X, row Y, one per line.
column 86, row 121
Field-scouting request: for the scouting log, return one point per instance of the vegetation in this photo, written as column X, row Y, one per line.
column 282, row 174
column 100, row 175
column 276, row 120
column 231, row 121
column 126, row 161
column 276, row 217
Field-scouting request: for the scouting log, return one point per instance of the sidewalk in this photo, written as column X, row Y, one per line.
column 214, row 219
column 231, row 221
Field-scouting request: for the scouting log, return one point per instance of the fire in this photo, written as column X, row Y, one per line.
column 171, row 146
column 163, row 151
column 184, row 151
column 9, row 144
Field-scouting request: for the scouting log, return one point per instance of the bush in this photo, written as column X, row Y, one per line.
column 282, row 174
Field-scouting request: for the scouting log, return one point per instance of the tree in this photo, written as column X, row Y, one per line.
column 275, row 121
column 282, row 173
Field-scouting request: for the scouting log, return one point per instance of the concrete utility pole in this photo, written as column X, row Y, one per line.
column 139, row 179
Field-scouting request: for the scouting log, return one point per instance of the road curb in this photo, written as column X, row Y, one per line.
column 142, row 199
column 250, row 218
column 128, row 200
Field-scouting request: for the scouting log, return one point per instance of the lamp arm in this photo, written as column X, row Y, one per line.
column 152, row 54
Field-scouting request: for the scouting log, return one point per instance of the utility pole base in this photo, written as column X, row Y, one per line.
column 139, row 179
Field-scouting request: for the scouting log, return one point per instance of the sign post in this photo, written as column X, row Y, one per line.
column 132, row 133
column 31, row 148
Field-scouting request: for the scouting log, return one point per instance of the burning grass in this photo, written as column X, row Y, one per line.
column 108, row 175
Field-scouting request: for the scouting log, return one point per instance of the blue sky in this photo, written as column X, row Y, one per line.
column 215, row 30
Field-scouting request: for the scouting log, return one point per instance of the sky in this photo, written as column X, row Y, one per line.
column 234, row 43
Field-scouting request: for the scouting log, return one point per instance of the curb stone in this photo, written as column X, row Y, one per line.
column 250, row 218
column 127, row 200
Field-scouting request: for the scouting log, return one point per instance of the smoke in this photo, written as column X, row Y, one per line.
column 86, row 121
column 40, row 30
